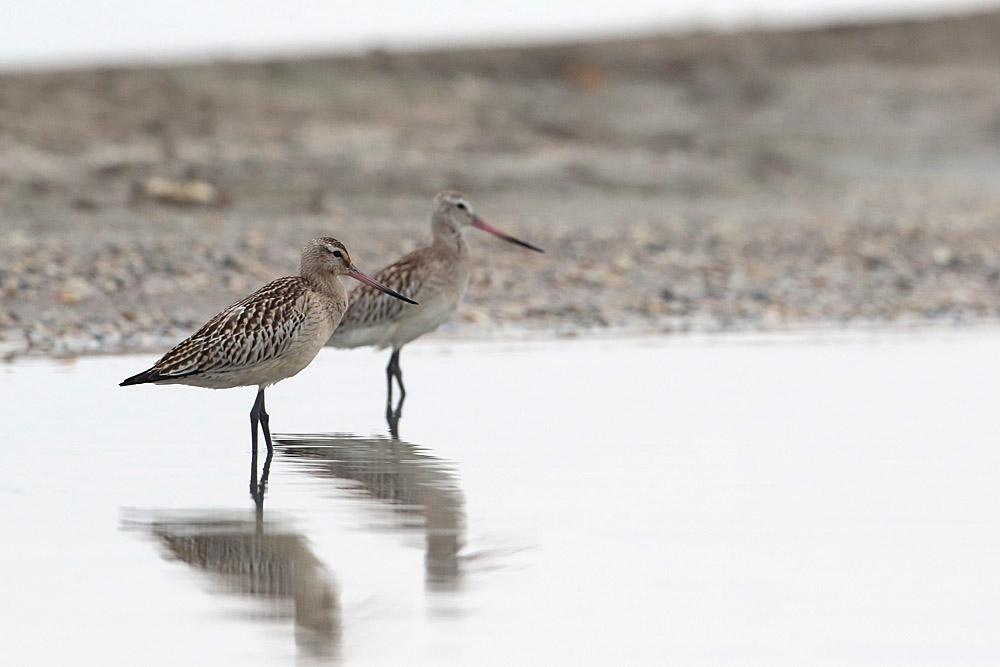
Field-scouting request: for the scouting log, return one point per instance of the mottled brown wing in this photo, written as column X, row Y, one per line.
column 253, row 330
column 369, row 306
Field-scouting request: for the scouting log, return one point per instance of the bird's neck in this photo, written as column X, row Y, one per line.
column 327, row 284
column 448, row 238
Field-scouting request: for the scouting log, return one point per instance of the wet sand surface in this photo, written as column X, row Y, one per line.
column 754, row 180
column 727, row 500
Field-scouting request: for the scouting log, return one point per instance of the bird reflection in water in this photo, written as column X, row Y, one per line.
column 258, row 559
column 421, row 490
column 393, row 415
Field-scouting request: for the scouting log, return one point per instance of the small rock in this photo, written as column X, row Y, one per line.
column 75, row 290
column 586, row 76
column 178, row 192
column 622, row 262
column 942, row 255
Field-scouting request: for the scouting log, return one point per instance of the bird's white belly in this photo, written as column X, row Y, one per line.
column 426, row 317
column 414, row 321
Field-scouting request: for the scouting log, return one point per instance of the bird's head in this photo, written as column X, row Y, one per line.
column 326, row 255
column 453, row 212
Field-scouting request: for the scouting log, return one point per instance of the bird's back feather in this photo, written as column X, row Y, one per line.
column 434, row 278
column 250, row 333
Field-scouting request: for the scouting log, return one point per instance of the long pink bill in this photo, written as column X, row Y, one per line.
column 368, row 280
column 479, row 223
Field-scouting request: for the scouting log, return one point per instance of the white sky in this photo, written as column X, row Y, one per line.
column 59, row 32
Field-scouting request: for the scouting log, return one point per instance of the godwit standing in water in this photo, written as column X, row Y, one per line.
column 436, row 275
column 271, row 335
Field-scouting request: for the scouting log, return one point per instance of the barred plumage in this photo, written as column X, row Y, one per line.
column 436, row 276
column 406, row 276
column 270, row 335
column 256, row 330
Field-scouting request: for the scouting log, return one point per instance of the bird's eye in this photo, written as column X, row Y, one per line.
column 461, row 206
column 337, row 253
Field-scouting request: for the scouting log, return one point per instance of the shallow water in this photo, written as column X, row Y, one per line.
column 730, row 500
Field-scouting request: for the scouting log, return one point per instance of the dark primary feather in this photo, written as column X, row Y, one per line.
column 369, row 306
column 150, row 375
column 253, row 330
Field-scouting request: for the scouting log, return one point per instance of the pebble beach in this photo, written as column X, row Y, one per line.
column 749, row 181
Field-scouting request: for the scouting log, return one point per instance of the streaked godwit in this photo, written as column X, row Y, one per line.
column 263, row 558
column 421, row 489
column 436, row 275
column 271, row 335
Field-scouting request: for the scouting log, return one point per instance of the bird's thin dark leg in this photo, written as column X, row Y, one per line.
column 265, row 420
column 258, row 407
column 392, row 414
column 388, row 382
column 258, row 415
column 399, row 380
column 393, row 370
column 254, row 420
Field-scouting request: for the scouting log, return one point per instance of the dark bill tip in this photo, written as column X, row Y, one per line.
column 479, row 223
column 368, row 280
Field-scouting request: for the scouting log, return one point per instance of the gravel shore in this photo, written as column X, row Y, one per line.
column 704, row 182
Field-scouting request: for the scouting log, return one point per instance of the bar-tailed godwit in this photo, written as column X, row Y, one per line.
column 436, row 275
column 271, row 335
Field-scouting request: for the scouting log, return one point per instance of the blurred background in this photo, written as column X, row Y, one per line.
column 703, row 166
column 633, row 497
